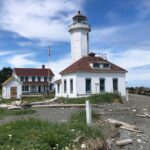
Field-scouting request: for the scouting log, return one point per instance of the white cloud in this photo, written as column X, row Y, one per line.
column 58, row 65
column 22, row 60
column 125, row 36
column 28, row 60
column 39, row 19
column 3, row 53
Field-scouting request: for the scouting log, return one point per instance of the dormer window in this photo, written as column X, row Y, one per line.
column 101, row 65
column 106, row 65
column 96, row 65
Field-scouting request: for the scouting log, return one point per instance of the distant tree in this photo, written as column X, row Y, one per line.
column 5, row 73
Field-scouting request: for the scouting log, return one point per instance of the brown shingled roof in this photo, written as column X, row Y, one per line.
column 83, row 65
column 33, row 72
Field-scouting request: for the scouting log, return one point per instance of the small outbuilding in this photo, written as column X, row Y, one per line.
column 12, row 88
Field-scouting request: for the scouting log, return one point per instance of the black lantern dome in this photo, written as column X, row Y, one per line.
column 79, row 18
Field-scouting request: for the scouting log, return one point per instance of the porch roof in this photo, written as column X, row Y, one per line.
column 36, row 83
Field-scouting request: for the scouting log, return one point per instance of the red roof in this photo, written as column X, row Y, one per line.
column 33, row 72
column 83, row 65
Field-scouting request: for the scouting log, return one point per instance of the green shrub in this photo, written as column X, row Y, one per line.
column 94, row 99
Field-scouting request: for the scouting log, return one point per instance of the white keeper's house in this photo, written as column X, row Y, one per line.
column 28, row 81
column 89, row 73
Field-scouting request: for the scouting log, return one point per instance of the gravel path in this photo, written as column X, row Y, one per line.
column 126, row 112
column 45, row 114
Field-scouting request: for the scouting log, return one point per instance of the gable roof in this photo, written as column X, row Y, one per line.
column 33, row 72
column 83, row 65
column 9, row 79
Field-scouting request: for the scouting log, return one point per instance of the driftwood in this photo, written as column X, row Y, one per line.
column 124, row 142
column 124, row 125
column 14, row 107
column 130, row 129
column 61, row 105
column 4, row 106
column 143, row 115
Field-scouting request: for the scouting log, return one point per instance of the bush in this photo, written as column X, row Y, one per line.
column 94, row 99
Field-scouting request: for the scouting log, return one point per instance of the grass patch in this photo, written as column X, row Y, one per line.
column 6, row 112
column 36, row 134
column 94, row 99
column 29, row 99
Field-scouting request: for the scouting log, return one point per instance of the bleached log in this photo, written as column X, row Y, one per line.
column 143, row 115
column 124, row 125
column 140, row 115
column 3, row 106
column 124, row 142
column 130, row 129
column 14, row 107
column 113, row 121
column 147, row 115
column 61, row 105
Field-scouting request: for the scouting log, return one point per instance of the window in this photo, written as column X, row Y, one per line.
column 106, row 65
column 58, row 88
column 25, row 88
column 96, row 65
column 88, row 85
column 22, row 78
column 26, row 79
column 102, row 85
column 65, row 86
column 33, row 79
column 49, row 78
column 39, row 79
column 45, row 78
column 71, row 85
column 101, row 65
column 115, row 84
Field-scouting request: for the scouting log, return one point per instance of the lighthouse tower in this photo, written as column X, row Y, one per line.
column 79, row 31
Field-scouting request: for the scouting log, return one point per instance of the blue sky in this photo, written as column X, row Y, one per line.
column 120, row 28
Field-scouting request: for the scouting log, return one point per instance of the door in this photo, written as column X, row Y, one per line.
column 39, row 89
column 13, row 92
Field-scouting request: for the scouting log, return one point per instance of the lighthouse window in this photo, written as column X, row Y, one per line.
column 96, row 65
column 101, row 65
column 106, row 65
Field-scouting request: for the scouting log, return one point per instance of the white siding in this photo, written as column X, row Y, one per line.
column 79, row 41
column 68, row 93
column 79, row 83
column 58, row 94
column 95, row 82
column 6, row 90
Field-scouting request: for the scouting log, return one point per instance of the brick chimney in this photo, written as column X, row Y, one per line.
column 43, row 66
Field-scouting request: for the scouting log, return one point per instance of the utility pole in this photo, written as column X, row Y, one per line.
column 49, row 68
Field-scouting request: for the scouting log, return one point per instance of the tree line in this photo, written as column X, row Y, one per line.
column 5, row 73
column 139, row 90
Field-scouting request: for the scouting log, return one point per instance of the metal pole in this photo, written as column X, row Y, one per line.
column 127, row 96
column 88, row 113
column 49, row 68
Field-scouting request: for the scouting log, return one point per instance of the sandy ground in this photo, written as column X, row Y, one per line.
column 126, row 112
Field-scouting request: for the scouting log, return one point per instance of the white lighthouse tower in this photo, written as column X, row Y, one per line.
column 79, row 37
